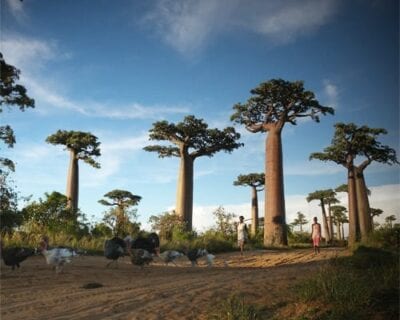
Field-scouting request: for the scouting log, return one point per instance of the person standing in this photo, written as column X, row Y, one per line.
column 241, row 234
column 316, row 235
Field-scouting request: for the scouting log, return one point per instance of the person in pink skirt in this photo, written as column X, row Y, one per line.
column 316, row 234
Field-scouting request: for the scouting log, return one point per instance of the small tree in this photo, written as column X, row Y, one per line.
column 256, row 181
column 165, row 224
column 375, row 213
column 271, row 106
column 122, row 200
column 225, row 223
column 390, row 219
column 81, row 146
column 191, row 139
column 300, row 220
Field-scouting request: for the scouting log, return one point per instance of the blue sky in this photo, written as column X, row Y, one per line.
column 115, row 67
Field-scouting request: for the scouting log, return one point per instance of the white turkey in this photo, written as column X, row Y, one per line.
column 57, row 257
column 170, row 256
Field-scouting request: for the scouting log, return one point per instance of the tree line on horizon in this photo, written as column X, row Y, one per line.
column 271, row 106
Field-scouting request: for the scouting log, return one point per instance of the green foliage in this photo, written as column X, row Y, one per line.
column 299, row 238
column 84, row 145
column 256, row 180
column 101, row 230
column 166, row 224
column 10, row 216
column 356, row 287
column 385, row 237
column 193, row 136
column 278, row 101
column 225, row 224
column 233, row 308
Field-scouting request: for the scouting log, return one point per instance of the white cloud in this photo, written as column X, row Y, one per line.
column 17, row 9
column 332, row 94
column 188, row 25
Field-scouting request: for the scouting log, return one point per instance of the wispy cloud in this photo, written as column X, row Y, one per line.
column 189, row 25
column 16, row 8
column 331, row 92
column 32, row 55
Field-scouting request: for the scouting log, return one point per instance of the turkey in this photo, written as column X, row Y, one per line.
column 140, row 257
column 195, row 254
column 114, row 249
column 210, row 259
column 170, row 256
column 15, row 255
column 151, row 243
column 57, row 257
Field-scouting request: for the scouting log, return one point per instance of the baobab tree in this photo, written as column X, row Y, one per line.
column 122, row 200
column 322, row 196
column 190, row 140
column 256, row 181
column 300, row 220
column 389, row 220
column 271, row 106
column 374, row 212
column 339, row 216
column 350, row 141
column 81, row 146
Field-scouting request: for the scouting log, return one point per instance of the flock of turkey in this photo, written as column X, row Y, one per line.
column 141, row 251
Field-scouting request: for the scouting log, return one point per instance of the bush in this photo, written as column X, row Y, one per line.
column 233, row 308
column 357, row 287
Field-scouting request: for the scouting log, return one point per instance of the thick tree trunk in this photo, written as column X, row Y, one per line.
column 338, row 236
column 353, row 221
column 275, row 233
column 184, row 196
column 330, row 221
column 254, row 211
column 325, row 223
column 342, row 226
column 363, row 208
column 72, row 192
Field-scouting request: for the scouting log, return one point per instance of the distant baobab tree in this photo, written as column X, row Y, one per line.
column 81, row 146
column 256, row 181
column 190, row 140
column 271, row 106
column 121, row 200
column 300, row 220
column 348, row 143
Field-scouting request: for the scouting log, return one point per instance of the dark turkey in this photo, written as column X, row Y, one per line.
column 151, row 243
column 15, row 255
column 114, row 249
column 140, row 257
column 195, row 254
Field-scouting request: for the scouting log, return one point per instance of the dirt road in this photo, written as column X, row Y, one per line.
column 263, row 278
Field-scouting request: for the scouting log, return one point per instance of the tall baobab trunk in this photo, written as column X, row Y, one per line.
column 275, row 233
column 72, row 192
column 353, row 221
column 330, row 221
column 184, row 195
column 254, row 211
column 338, row 236
column 325, row 222
column 363, row 209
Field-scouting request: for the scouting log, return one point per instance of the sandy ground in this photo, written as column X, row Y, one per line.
column 263, row 278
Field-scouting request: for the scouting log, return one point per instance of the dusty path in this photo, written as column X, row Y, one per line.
column 157, row 292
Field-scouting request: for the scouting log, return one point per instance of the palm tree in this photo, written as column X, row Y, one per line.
column 81, row 146
column 271, row 106
column 191, row 139
column 256, row 182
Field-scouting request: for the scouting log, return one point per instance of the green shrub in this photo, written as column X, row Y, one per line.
column 356, row 287
column 233, row 308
